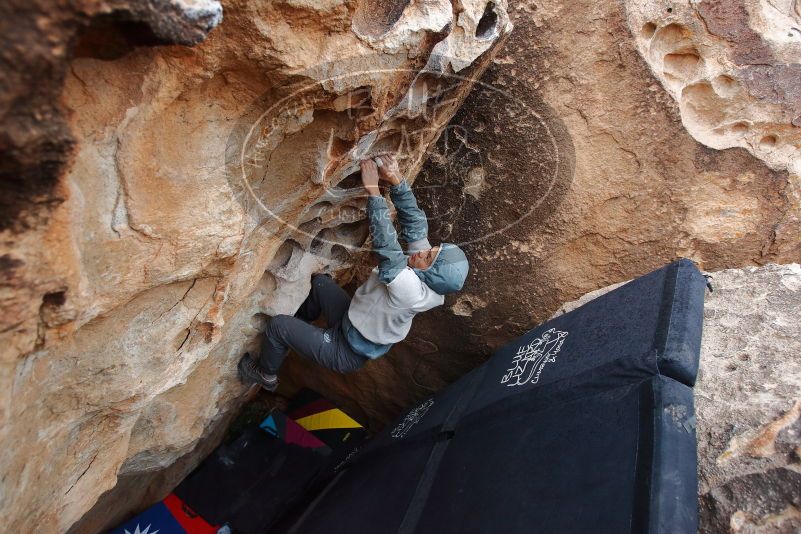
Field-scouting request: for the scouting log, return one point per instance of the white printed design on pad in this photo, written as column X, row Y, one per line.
column 411, row 419
column 530, row 359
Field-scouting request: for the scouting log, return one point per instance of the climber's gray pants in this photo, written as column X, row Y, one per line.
column 328, row 347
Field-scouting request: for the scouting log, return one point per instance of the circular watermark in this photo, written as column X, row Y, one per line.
column 302, row 143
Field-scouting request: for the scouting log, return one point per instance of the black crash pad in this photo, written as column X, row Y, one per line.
column 251, row 482
column 584, row 424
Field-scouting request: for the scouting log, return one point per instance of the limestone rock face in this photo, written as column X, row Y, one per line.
column 733, row 67
column 748, row 400
column 37, row 40
column 158, row 202
column 165, row 200
column 569, row 168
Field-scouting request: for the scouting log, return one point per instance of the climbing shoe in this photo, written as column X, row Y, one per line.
column 250, row 373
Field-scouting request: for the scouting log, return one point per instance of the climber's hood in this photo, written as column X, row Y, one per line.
column 448, row 271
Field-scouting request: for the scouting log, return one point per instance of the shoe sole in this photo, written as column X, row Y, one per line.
column 250, row 381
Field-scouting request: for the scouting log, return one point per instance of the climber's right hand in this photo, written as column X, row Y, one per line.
column 370, row 176
column 388, row 169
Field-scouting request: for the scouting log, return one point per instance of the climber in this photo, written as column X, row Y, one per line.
column 381, row 311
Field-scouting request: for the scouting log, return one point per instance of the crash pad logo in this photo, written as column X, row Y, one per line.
column 411, row 419
column 530, row 359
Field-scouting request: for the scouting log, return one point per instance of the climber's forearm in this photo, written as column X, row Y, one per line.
column 391, row 259
column 413, row 221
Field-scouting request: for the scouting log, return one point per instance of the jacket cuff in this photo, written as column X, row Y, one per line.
column 418, row 245
column 402, row 187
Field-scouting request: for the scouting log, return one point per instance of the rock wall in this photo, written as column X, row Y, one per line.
column 164, row 200
column 732, row 67
column 159, row 201
column 572, row 167
column 748, row 400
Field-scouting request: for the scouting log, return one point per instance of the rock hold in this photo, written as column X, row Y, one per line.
column 732, row 67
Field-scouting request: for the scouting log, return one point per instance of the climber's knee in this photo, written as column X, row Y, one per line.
column 320, row 279
column 278, row 325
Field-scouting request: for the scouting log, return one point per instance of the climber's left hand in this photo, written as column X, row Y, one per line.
column 370, row 176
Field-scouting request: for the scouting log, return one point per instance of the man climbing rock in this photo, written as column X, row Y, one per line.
column 381, row 311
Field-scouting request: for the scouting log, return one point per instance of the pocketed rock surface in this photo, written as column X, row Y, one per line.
column 171, row 173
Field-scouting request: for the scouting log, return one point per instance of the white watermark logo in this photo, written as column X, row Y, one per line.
column 301, row 144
